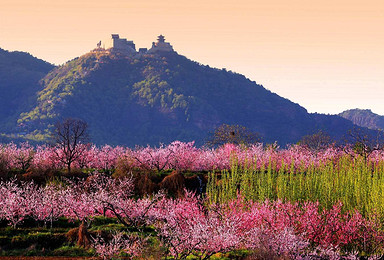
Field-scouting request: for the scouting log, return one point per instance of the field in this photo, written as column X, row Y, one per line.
column 179, row 201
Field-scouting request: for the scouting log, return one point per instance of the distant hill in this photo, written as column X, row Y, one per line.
column 364, row 118
column 20, row 73
column 149, row 99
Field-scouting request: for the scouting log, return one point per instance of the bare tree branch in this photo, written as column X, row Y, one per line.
column 71, row 135
column 234, row 134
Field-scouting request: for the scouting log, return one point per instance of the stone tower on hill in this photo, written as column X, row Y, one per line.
column 161, row 45
column 120, row 45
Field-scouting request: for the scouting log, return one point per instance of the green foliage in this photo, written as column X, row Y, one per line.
column 155, row 92
column 43, row 239
column 108, row 227
column 72, row 251
column 352, row 181
column 99, row 221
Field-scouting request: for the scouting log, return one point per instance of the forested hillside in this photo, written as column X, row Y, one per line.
column 20, row 73
column 150, row 99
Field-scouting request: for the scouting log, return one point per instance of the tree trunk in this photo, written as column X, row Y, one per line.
column 84, row 237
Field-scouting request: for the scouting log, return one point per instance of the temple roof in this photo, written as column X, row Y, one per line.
column 161, row 38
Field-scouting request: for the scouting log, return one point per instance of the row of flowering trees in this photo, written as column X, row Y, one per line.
column 191, row 226
column 177, row 155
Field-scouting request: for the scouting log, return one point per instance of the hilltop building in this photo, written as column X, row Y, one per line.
column 123, row 46
column 115, row 43
column 161, row 45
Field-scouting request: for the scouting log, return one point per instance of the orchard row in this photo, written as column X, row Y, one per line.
column 177, row 155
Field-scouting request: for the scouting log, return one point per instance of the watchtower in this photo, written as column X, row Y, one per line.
column 120, row 45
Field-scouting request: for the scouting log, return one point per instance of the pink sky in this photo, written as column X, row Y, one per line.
column 327, row 55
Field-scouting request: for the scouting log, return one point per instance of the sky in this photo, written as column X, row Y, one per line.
column 327, row 56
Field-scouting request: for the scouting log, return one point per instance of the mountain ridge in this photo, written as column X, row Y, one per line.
column 20, row 74
column 364, row 118
column 161, row 97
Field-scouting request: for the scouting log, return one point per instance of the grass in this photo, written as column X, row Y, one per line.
column 43, row 241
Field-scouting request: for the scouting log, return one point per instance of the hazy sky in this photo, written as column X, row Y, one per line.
column 326, row 55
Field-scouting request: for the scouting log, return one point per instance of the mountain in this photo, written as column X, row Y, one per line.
column 364, row 118
column 20, row 74
column 162, row 97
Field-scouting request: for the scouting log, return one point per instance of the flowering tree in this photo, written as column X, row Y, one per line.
column 49, row 203
column 189, row 226
column 186, row 227
column 153, row 158
column 15, row 200
column 119, row 243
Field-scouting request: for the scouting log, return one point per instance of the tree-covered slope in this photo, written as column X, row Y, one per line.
column 150, row 99
column 20, row 73
column 364, row 118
